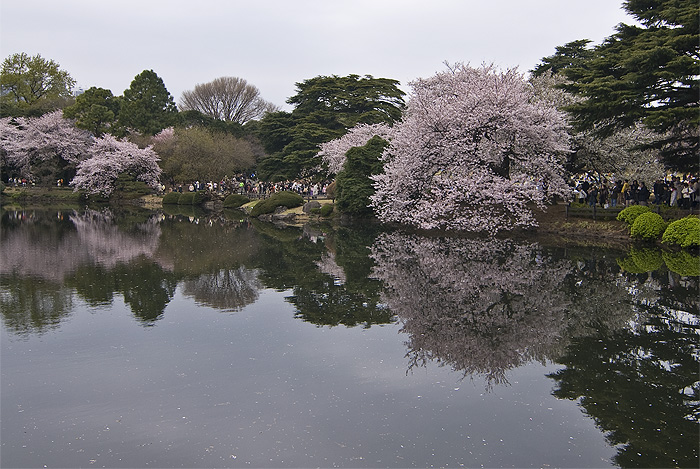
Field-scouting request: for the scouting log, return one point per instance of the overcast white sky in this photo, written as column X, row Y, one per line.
column 274, row 44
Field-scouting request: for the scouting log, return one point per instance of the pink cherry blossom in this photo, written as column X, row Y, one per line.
column 473, row 151
column 110, row 157
column 333, row 153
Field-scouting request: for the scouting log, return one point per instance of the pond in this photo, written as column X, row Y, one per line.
column 144, row 339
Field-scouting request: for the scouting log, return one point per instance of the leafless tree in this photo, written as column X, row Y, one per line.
column 229, row 99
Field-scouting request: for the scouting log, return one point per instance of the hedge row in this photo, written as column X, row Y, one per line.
column 186, row 198
column 647, row 225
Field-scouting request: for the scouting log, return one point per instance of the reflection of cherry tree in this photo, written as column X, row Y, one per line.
column 108, row 244
column 480, row 306
column 227, row 289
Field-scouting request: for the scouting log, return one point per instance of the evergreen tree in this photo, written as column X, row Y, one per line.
column 354, row 184
column 646, row 74
column 147, row 106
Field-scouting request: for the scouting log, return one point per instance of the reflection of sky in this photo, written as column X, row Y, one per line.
column 259, row 388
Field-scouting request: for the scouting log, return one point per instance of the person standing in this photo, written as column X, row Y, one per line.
column 643, row 194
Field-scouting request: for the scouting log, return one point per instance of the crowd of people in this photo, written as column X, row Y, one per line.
column 672, row 193
column 253, row 188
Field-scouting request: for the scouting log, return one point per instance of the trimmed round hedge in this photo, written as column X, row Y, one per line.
column 326, row 210
column 284, row 198
column 186, row 198
column 235, row 201
column 684, row 232
column 171, row 198
column 630, row 214
column 648, row 226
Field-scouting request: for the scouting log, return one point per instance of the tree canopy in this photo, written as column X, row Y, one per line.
column 229, row 99
column 95, row 110
column 645, row 74
column 474, row 149
column 147, row 106
column 325, row 108
column 33, row 85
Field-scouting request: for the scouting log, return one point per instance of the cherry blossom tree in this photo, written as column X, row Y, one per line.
column 29, row 142
column 474, row 149
column 111, row 157
column 333, row 153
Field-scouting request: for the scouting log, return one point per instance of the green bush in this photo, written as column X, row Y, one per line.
column 186, row 198
column 171, row 198
column 326, row 210
column 684, row 232
column 235, row 201
column 631, row 213
column 284, row 198
column 683, row 263
column 648, row 226
column 200, row 197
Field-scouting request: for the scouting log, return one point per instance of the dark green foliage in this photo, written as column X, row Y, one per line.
column 646, row 74
column 566, row 56
column 147, row 106
column 326, row 106
column 171, row 198
column 235, row 200
column 648, row 226
column 630, row 214
column 354, row 186
column 684, row 232
column 128, row 187
column 95, row 110
column 186, row 198
column 284, row 198
column 200, row 197
column 326, row 210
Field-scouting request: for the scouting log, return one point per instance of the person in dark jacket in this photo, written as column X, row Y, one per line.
column 643, row 194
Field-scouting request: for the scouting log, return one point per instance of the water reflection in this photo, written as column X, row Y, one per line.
column 622, row 326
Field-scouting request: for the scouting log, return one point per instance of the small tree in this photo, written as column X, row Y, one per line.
column 110, row 158
column 354, row 185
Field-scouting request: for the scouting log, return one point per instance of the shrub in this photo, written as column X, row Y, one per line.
column 648, row 226
column 286, row 199
column 200, row 197
column 684, row 232
column 683, row 263
column 185, row 198
column 326, row 210
column 171, row 198
column 235, row 201
column 631, row 213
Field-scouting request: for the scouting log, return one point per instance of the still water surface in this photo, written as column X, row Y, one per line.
column 155, row 340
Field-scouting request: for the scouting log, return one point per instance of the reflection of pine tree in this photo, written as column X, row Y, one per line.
column 642, row 388
column 481, row 306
